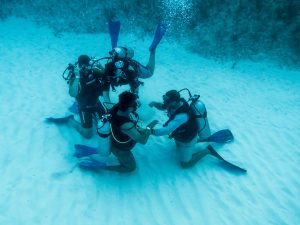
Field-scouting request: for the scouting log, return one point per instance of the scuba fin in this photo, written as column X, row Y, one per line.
column 91, row 164
column 221, row 136
column 226, row 164
column 59, row 120
column 159, row 33
column 114, row 30
column 83, row 150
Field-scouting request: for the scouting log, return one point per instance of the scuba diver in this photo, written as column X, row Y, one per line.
column 124, row 70
column 183, row 125
column 125, row 133
column 85, row 85
column 120, row 70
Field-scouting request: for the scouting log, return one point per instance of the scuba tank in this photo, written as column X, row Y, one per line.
column 199, row 110
column 104, row 133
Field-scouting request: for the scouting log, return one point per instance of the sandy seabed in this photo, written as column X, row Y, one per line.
column 41, row 183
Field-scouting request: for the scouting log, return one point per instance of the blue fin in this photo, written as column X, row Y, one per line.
column 159, row 33
column 225, row 163
column 83, row 150
column 221, row 136
column 232, row 167
column 74, row 108
column 114, row 30
column 91, row 164
column 59, row 120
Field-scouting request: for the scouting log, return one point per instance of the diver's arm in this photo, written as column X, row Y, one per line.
column 138, row 135
column 74, row 87
column 172, row 125
column 157, row 105
column 99, row 69
column 134, row 86
column 134, row 90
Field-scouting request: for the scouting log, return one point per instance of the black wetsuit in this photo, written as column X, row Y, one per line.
column 88, row 99
column 129, row 76
column 121, row 144
column 187, row 131
column 120, row 140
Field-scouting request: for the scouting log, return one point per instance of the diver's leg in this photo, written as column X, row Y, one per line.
column 126, row 160
column 85, row 128
column 151, row 62
column 147, row 71
column 195, row 158
column 189, row 155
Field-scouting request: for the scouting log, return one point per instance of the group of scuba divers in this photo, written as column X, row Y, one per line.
column 117, row 124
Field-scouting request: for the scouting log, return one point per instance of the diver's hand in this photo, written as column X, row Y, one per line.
column 157, row 105
column 153, row 124
column 153, row 104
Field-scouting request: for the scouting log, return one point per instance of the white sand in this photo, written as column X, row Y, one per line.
column 41, row 184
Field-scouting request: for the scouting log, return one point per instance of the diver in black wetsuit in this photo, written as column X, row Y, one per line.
column 125, row 133
column 85, row 85
column 123, row 70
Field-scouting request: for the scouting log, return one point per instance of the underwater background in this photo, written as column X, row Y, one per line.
column 220, row 29
column 241, row 57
